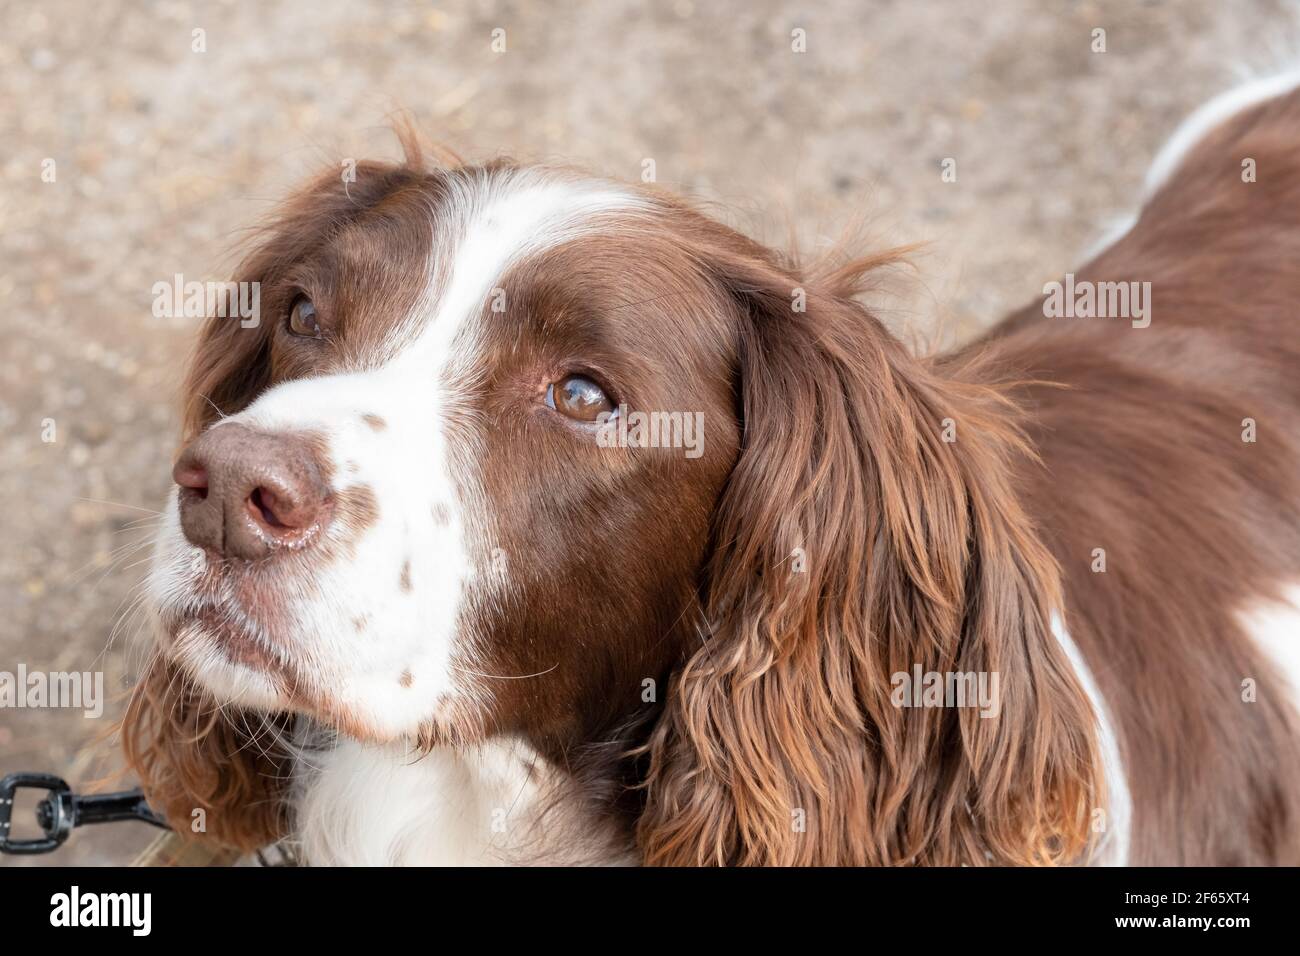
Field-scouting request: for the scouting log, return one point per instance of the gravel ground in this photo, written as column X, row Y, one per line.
column 162, row 154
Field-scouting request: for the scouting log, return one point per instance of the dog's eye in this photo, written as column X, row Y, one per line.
column 302, row 318
column 579, row 398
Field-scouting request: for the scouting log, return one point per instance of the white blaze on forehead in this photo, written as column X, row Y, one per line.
column 487, row 224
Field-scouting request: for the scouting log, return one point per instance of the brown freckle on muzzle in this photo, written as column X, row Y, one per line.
column 374, row 421
column 405, row 581
column 358, row 507
column 360, row 622
column 355, row 510
column 407, row 678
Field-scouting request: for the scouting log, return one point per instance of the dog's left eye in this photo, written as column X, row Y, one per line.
column 302, row 318
column 579, row 398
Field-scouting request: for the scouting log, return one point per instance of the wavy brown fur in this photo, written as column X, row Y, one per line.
column 192, row 755
column 917, row 552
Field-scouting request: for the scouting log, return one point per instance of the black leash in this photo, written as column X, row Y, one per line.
column 62, row 811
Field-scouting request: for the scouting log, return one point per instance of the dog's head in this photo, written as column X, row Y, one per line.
column 516, row 451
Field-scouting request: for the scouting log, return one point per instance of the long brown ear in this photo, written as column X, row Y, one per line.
column 215, row 773
column 855, row 543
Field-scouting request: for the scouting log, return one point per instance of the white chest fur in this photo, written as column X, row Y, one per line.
column 496, row 804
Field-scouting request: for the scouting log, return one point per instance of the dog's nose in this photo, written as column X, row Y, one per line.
column 246, row 493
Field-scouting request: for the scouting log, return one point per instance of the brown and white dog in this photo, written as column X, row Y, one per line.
column 428, row 591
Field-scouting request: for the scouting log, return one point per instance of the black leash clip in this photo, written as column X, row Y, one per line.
column 62, row 811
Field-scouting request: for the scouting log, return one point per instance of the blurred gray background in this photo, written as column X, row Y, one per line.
column 163, row 154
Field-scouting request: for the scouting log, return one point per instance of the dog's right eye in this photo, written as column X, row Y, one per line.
column 302, row 318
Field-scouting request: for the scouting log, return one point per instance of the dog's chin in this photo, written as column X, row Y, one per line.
column 236, row 669
column 231, row 667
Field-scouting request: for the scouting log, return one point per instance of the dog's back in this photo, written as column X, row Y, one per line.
column 1171, row 488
